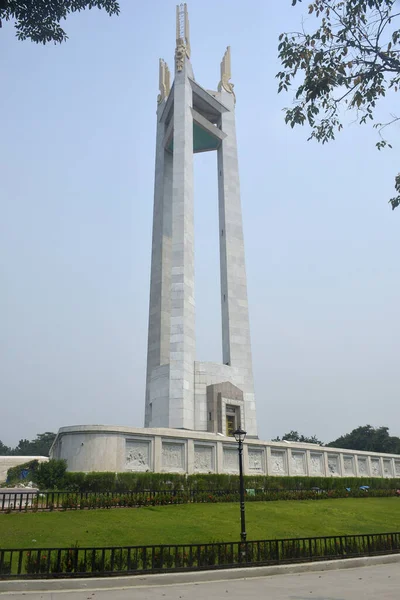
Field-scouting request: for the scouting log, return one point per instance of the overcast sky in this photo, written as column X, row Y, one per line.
column 77, row 144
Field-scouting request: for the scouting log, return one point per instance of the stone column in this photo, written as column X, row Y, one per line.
column 308, row 462
column 246, row 470
column 341, row 464
column 190, row 456
column 289, row 462
column 356, row 469
column 182, row 335
column 325, row 459
column 157, row 458
column 219, row 458
column 268, row 460
column 234, row 305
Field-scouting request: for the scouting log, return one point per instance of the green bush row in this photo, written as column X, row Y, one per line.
column 54, row 476
column 100, row 482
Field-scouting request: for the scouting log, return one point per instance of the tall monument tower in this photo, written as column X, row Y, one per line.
column 181, row 392
column 185, row 397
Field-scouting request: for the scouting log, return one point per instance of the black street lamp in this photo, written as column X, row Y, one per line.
column 239, row 437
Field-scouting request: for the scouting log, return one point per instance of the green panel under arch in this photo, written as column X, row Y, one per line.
column 203, row 141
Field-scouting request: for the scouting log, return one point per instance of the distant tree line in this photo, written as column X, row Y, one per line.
column 366, row 437
column 40, row 446
column 295, row 436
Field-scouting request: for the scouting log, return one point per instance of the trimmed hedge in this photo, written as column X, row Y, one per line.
column 135, row 482
column 53, row 476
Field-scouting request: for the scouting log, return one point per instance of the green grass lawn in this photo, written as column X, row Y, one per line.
column 195, row 523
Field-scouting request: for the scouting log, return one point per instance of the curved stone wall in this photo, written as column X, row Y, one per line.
column 121, row 449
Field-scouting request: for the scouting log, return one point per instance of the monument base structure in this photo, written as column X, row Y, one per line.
column 128, row 449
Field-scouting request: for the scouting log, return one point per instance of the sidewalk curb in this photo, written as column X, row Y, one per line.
column 162, row 579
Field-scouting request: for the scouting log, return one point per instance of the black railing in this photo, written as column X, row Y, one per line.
column 62, row 500
column 89, row 562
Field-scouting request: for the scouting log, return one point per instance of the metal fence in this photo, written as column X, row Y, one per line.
column 46, row 501
column 90, row 562
column 63, row 500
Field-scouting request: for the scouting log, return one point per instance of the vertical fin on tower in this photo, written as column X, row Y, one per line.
column 182, row 36
column 164, row 81
column 226, row 73
column 187, row 31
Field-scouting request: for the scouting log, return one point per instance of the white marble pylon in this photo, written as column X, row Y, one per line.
column 191, row 119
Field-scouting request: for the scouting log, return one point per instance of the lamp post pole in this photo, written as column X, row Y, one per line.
column 239, row 436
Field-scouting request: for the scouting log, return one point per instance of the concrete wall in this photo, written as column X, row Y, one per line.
column 6, row 462
column 121, row 449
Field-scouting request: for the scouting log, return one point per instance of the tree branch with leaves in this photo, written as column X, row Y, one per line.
column 39, row 20
column 350, row 61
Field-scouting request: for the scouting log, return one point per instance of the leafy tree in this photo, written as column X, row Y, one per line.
column 39, row 20
column 50, row 475
column 43, row 443
column 370, row 439
column 40, row 446
column 351, row 60
column 4, row 450
column 294, row 436
column 22, row 449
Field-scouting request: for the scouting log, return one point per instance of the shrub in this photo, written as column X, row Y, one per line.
column 25, row 472
column 51, row 475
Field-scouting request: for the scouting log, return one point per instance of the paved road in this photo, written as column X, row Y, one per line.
column 381, row 582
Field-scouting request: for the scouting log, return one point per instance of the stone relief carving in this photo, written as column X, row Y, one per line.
column 226, row 74
column 137, row 456
column 203, row 459
column 362, row 466
column 180, row 53
column 256, row 460
column 375, row 467
column 387, row 467
column 278, row 462
column 173, row 456
column 297, row 463
column 316, row 465
column 397, row 467
column 231, row 460
column 333, row 465
column 348, row 464
column 164, row 81
column 182, row 36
